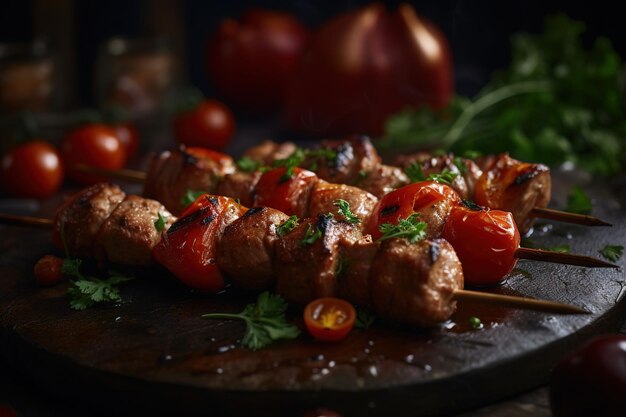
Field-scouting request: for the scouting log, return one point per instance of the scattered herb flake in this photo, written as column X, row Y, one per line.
column 364, row 319
column 265, row 321
column 415, row 172
column 191, row 196
column 612, row 252
column 159, row 223
column 410, row 228
column 471, row 205
column 475, row 323
column 578, row 201
column 287, row 226
column 444, row 177
column 559, row 248
column 247, row 164
column 344, row 209
column 460, row 164
column 311, row 235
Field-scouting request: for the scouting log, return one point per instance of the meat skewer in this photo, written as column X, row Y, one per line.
column 424, row 279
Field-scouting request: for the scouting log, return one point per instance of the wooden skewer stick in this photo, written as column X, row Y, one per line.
column 519, row 302
column 564, row 216
column 26, row 221
column 562, row 258
column 120, row 174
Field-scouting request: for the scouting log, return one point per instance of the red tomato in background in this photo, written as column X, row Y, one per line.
column 365, row 65
column 250, row 61
column 591, row 381
column 32, row 170
column 208, row 125
column 129, row 136
column 95, row 145
column 329, row 319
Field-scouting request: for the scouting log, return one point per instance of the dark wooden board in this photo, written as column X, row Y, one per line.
column 154, row 353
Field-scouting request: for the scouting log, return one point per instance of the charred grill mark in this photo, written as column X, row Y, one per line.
column 253, row 211
column 386, row 211
column 323, row 220
column 434, row 250
column 345, row 154
column 188, row 159
column 184, row 221
column 208, row 219
column 212, row 200
column 528, row 174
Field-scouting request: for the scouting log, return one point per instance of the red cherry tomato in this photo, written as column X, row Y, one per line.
column 250, row 61
column 278, row 190
column 32, row 170
column 485, row 241
column 329, row 319
column 48, row 270
column 129, row 136
column 189, row 247
column 403, row 202
column 208, row 125
column 95, row 145
column 591, row 381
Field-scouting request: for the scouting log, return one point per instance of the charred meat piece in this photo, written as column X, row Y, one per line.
column 325, row 195
column 382, row 180
column 246, row 249
column 415, row 283
column 78, row 221
column 269, row 151
column 172, row 173
column 515, row 186
column 307, row 258
column 347, row 162
column 130, row 233
column 239, row 185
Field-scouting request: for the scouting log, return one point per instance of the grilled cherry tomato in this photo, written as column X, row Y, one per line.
column 281, row 191
column 189, row 247
column 94, row 145
column 208, row 125
column 329, row 319
column 32, row 170
column 484, row 240
column 49, row 270
column 403, row 202
column 129, row 136
column 591, row 381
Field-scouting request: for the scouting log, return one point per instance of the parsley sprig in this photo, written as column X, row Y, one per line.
column 311, row 235
column 612, row 252
column 265, row 321
column 160, row 222
column 287, row 226
column 416, row 174
column 190, row 196
column 247, row 164
column 344, row 209
column 410, row 228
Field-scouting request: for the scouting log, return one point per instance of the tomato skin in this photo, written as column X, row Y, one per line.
column 94, row 145
column 249, row 61
column 32, row 170
column 340, row 314
column 129, row 136
column 485, row 241
column 208, row 125
column 591, row 381
column 49, row 270
column 408, row 199
column 283, row 194
column 189, row 248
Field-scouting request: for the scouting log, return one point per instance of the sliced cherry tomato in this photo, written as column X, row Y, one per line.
column 189, row 247
column 208, row 125
column 485, row 241
column 329, row 319
column 95, row 145
column 49, row 270
column 129, row 136
column 403, row 202
column 32, row 170
column 281, row 191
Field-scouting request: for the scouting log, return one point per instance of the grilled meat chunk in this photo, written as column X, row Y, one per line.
column 246, row 249
column 239, row 185
column 78, row 221
column 415, row 283
column 382, row 180
column 325, row 195
column 353, row 272
column 307, row 258
column 269, row 151
column 172, row 173
column 128, row 235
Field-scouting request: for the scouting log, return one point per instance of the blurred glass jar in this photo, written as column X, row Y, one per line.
column 26, row 77
column 135, row 74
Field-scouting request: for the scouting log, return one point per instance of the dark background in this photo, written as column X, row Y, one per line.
column 478, row 31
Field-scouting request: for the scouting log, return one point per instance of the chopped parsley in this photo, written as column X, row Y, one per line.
column 460, row 164
column 190, row 196
column 415, row 172
column 311, row 235
column 559, row 248
column 344, row 210
column 287, row 226
column 247, row 164
column 612, row 252
column 475, row 323
column 444, row 177
column 159, row 223
column 410, row 228
column 578, row 201
column 265, row 321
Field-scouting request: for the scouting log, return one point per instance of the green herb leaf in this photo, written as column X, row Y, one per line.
column 475, row 323
column 344, row 209
column 247, row 164
column 415, row 172
column 612, row 252
column 191, row 196
column 410, row 228
column 471, row 205
column 71, row 268
column 559, row 248
column 578, row 201
column 311, row 235
column 86, row 292
column 265, row 321
column 444, row 177
column 364, row 319
column 160, row 222
column 287, row 226
column 460, row 164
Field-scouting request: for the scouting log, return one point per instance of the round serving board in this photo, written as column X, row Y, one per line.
column 154, row 353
